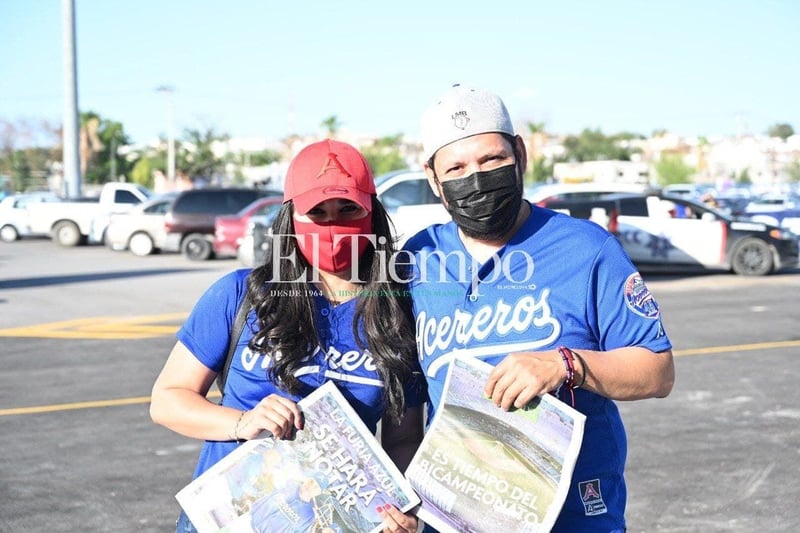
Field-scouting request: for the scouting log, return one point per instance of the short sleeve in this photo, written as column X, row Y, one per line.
column 207, row 330
column 627, row 313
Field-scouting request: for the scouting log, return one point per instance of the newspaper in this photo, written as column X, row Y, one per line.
column 480, row 468
column 332, row 474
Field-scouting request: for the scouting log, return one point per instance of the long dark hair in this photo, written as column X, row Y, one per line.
column 285, row 310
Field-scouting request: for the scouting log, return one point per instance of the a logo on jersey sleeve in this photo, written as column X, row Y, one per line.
column 638, row 297
column 591, row 497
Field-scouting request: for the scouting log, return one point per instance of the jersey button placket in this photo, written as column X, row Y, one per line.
column 473, row 288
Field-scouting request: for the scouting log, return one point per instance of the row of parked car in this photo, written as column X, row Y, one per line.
column 183, row 222
column 199, row 223
column 234, row 222
column 658, row 230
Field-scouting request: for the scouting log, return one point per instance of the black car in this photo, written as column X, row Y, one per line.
column 189, row 222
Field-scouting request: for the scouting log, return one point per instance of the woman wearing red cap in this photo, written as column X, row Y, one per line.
column 325, row 307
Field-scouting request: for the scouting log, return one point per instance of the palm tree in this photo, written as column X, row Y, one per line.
column 90, row 143
column 537, row 137
column 332, row 125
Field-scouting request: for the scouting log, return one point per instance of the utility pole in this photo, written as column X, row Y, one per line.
column 168, row 91
column 71, row 126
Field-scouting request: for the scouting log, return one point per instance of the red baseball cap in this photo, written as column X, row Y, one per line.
column 328, row 169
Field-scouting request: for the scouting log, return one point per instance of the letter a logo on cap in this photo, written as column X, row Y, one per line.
column 332, row 163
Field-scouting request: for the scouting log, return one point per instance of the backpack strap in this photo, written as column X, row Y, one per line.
column 236, row 332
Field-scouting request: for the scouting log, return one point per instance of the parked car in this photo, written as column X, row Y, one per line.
column 257, row 240
column 733, row 205
column 550, row 192
column 142, row 230
column 410, row 202
column 71, row 222
column 15, row 216
column 772, row 202
column 229, row 230
column 189, row 221
column 689, row 190
column 658, row 231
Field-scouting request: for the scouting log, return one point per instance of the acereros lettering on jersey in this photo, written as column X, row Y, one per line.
column 444, row 335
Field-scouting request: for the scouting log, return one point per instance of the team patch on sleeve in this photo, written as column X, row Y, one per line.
column 638, row 297
column 593, row 503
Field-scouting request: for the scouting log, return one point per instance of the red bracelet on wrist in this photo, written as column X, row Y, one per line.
column 569, row 364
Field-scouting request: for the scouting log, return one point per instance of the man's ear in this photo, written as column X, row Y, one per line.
column 432, row 181
column 522, row 154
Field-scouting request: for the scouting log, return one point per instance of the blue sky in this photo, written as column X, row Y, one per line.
column 267, row 68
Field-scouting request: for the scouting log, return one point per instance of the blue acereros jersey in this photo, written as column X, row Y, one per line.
column 558, row 281
column 207, row 331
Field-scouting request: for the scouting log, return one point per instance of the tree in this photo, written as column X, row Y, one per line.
column 672, row 169
column 89, row 142
column 782, row 130
column 142, row 170
column 793, row 170
column 331, row 125
column 540, row 170
column 744, row 177
column 592, row 145
column 27, row 153
column 264, row 157
column 100, row 140
column 384, row 155
column 195, row 157
column 537, row 134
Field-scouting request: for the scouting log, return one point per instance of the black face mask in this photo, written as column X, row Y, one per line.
column 484, row 205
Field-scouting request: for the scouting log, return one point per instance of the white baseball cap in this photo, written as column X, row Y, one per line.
column 462, row 112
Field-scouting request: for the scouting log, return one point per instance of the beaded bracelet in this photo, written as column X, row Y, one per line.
column 569, row 364
column 566, row 356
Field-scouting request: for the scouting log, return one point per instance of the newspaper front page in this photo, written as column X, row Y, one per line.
column 482, row 469
column 333, row 474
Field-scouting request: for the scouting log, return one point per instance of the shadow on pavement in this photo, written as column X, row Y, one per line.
column 24, row 283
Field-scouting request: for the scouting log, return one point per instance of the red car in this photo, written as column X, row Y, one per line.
column 230, row 229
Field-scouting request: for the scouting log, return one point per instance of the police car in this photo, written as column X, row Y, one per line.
column 663, row 231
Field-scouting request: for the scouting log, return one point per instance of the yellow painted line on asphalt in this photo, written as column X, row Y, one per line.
column 104, row 328
column 83, row 405
column 214, row 394
column 736, row 348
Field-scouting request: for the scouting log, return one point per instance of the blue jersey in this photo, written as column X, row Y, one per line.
column 283, row 511
column 558, row 281
column 207, row 331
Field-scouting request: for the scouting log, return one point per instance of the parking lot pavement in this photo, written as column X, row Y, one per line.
column 91, row 329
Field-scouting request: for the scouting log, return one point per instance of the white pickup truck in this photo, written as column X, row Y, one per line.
column 71, row 222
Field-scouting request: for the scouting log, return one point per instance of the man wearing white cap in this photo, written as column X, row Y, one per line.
column 552, row 301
